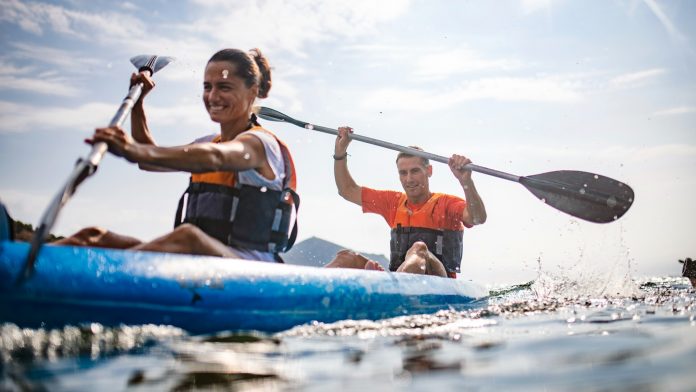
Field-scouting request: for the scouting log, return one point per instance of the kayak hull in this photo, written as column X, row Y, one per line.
column 75, row 285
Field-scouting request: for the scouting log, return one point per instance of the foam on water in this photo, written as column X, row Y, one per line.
column 92, row 340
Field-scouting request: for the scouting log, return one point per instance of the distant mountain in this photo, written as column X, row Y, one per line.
column 317, row 252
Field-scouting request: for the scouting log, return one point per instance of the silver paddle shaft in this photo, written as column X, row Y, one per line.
column 413, row 151
column 99, row 149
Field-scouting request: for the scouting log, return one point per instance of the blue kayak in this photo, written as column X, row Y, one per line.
column 73, row 285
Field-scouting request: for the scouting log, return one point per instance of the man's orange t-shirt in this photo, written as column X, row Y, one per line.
column 447, row 214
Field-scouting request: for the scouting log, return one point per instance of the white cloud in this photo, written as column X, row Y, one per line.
column 215, row 24
column 656, row 153
column 531, row 6
column 11, row 69
column 312, row 21
column 675, row 111
column 636, row 78
column 37, row 85
column 444, row 63
column 616, row 153
column 67, row 59
column 541, row 89
column 20, row 118
column 662, row 17
column 127, row 5
column 39, row 18
column 25, row 117
column 14, row 11
column 431, row 63
column 52, row 71
column 284, row 95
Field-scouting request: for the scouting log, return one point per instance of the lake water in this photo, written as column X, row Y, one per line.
column 548, row 335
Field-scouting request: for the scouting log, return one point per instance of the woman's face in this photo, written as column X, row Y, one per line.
column 225, row 95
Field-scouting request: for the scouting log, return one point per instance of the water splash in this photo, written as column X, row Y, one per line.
column 586, row 284
column 93, row 340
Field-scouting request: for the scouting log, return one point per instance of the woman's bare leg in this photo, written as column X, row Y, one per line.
column 100, row 238
column 188, row 239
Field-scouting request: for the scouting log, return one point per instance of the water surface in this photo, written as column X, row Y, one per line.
column 552, row 334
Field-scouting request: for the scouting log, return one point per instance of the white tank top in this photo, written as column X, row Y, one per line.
column 274, row 156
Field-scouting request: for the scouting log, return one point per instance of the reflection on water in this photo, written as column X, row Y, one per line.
column 522, row 339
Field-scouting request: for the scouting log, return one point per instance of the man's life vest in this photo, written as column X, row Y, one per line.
column 411, row 226
column 242, row 215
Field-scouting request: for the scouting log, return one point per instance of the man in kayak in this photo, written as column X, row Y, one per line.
column 241, row 201
column 427, row 228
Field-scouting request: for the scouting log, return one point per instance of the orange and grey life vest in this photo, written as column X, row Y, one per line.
column 242, row 215
column 421, row 225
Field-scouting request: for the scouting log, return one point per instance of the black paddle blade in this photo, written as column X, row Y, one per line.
column 583, row 195
column 274, row 115
column 270, row 114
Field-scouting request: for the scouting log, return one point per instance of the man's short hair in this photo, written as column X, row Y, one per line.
column 425, row 161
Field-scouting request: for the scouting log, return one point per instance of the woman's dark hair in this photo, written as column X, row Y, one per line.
column 252, row 67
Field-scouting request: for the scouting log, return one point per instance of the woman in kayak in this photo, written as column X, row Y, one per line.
column 241, row 201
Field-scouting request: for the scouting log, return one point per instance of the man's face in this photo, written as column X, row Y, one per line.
column 414, row 177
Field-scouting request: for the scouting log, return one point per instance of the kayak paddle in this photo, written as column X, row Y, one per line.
column 584, row 195
column 87, row 166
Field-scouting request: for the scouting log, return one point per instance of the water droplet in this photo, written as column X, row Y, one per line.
column 616, row 217
column 611, row 202
column 247, row 156
column 582, row 191
column 543, row 200
column 264, row 189
column 309, row 126
column 596, row 177
column 585, row 185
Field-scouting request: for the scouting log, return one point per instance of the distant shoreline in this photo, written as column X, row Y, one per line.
column 25, row 232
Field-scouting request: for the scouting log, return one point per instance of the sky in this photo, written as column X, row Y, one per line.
column 521, row 86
